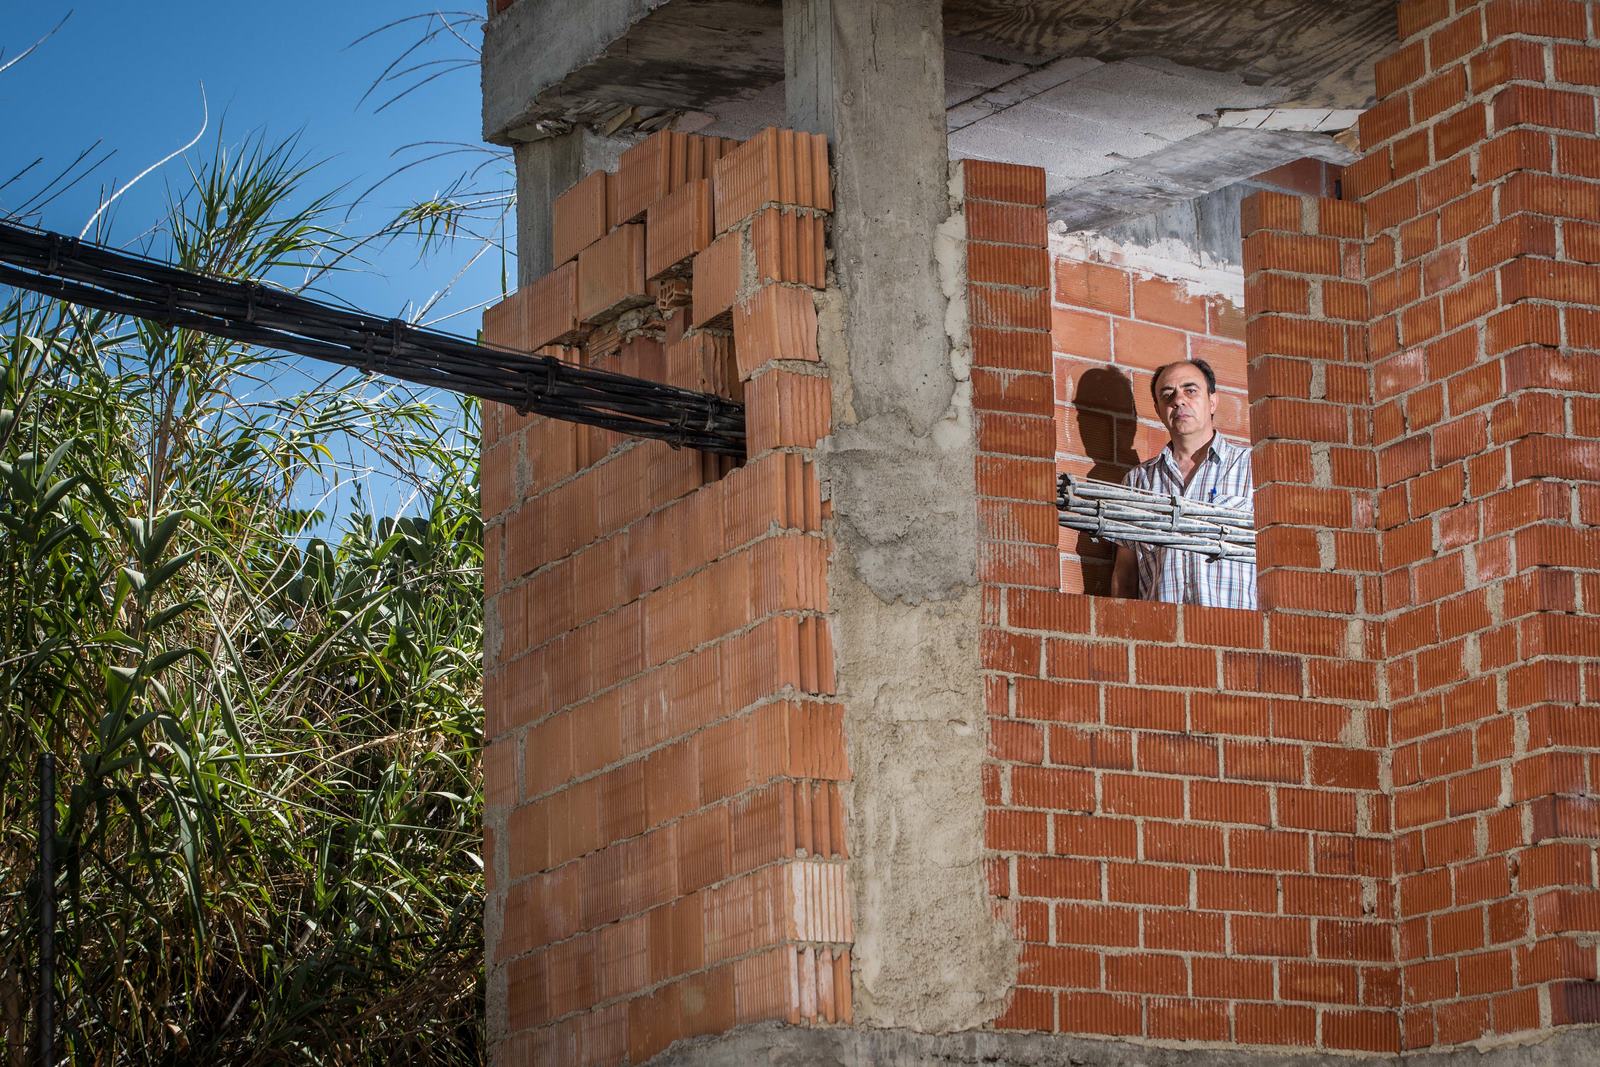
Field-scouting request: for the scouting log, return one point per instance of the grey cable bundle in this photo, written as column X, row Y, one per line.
column 1120, row 513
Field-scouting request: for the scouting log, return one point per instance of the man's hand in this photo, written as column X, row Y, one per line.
column 1125, row 574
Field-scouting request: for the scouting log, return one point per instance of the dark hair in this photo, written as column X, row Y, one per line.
column 1200, row 364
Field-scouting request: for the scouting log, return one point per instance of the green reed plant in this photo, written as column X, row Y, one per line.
column 264, row 700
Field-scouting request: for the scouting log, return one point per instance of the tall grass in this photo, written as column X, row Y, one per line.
column 266, row 716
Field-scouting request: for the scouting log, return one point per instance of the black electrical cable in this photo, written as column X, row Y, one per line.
column 80, row 272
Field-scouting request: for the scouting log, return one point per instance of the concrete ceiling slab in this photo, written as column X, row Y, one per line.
column 1319, row 52
column 1130, row 137
column 1128, row 105
column 550, row 63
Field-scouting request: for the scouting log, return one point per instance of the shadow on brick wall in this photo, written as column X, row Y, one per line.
column 1105, row 422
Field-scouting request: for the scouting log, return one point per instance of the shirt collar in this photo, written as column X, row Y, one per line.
column 1221, row 451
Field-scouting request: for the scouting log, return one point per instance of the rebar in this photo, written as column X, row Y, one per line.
column 1124, row 514
column 253, row 312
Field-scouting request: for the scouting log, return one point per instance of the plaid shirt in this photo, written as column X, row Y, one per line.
column 1180, row 577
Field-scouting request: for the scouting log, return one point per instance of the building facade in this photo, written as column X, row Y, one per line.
column 840, row 751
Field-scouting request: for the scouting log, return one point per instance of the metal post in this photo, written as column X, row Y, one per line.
column 47, row 909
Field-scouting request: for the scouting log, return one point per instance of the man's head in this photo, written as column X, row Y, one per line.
column 1186, row 398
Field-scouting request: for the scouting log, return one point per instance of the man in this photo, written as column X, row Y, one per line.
column 1198, row 464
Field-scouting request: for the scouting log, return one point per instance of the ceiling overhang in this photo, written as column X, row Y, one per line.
column 1128, row 105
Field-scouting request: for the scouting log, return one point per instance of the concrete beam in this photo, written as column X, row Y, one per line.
column 559, row 60
column 899, row 468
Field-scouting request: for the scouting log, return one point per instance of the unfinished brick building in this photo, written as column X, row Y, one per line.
column 838, row 752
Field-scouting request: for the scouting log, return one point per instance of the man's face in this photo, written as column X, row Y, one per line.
column 1184, row 403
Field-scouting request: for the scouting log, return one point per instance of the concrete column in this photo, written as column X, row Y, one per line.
column 545, row 169
column 899, row 469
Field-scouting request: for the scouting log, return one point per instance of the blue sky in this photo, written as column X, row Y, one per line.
column 129, row 73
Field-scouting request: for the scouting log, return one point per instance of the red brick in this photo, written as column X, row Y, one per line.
column 1168, row 303
column 1439, row 93
column 1163, row 665
column 611, row 275
column 1177, row 754
column 1382, row 122
column 1016, row 742
column 1578, row 64
column 1268, row 850
column 1399, row 69
column 1011, row 349
column 1099, row 1013
column 1233, row 978
column 1091, row 661
column 1011, row 183
column 1029, row 1009
column 1371, row 1031
column 1013, row 265
column 1455, row 40
column 1080, row 835
column 1094, row 286
column 1016, row 831
column 1188, row 1020
column 579, row 217
column 1147, row 974
column 1236, row 891
column 1181, row 843
column 1459, row 131
column 1131, row 795
column 1048, row 965
column 1505, row 61
column 1272, row 1024
column 1262, row 935
column 1354, row 940
column 1057, row 879
column 1543, row 18
column 788, row 247
column 1228, row 802
column 1264, row 761
column 778, row 322
column 1007, row 308
column 1415, row 16
column 1006, row 224
column 1080, row 333
column 1052, row 787
column 1322, row 983
column 1139, row 344
column 1096, row 925
column 775, row 167
column 678, row 227
column 550, row 308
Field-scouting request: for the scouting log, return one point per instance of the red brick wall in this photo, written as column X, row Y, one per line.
column 665, row 833
column 1186, row 823
column 1425, row 376
column 1479, row 183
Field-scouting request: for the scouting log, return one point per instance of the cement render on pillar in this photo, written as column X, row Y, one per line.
column 771, row 1045
column 929, row 953
column 545, row 169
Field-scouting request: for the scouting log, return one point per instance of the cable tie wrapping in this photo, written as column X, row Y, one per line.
column 63, row 268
